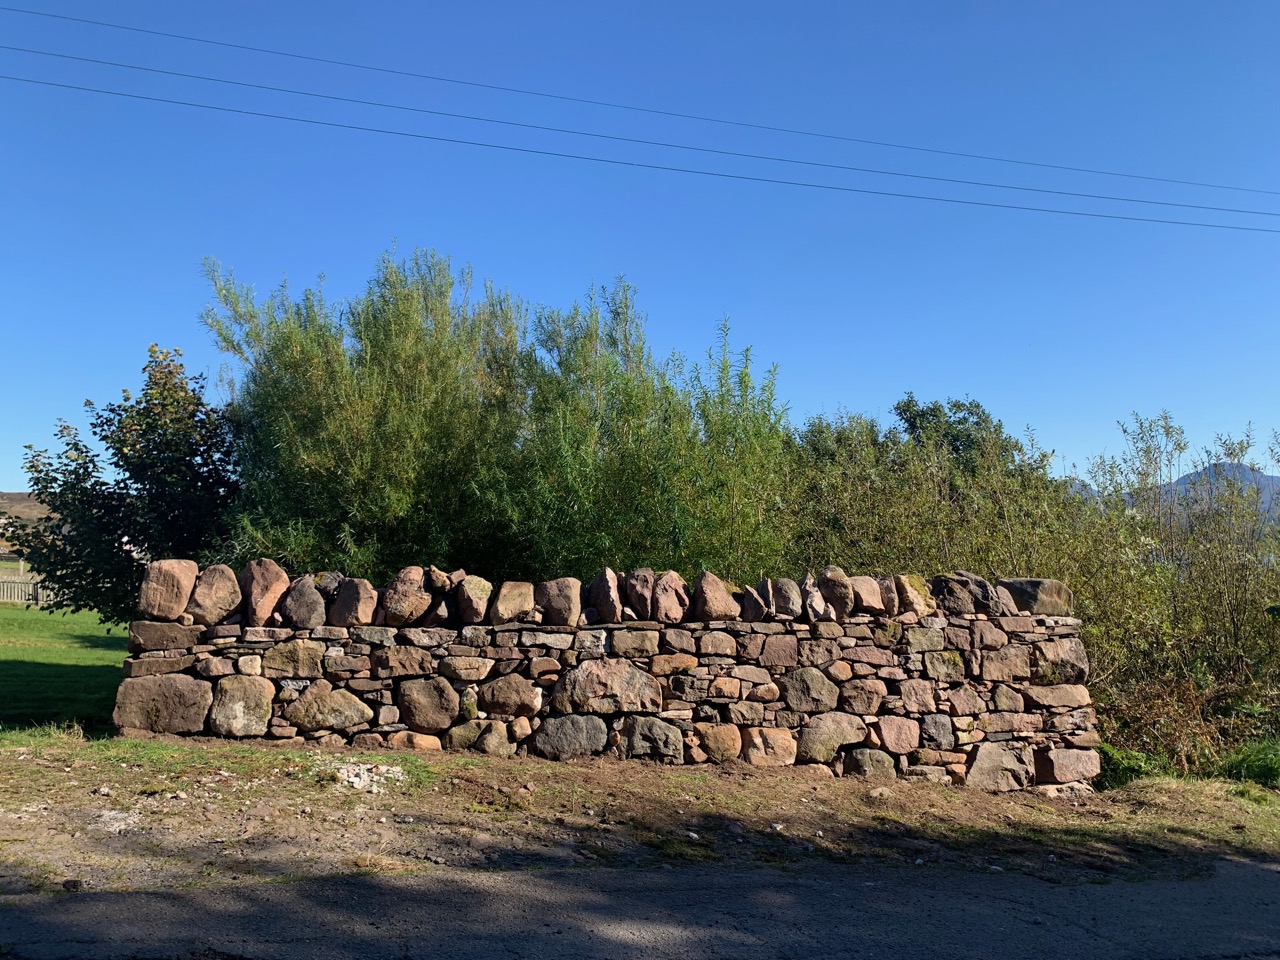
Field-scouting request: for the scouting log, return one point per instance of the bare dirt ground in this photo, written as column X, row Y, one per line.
column 148, row 831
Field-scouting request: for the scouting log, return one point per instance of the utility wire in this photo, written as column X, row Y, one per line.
column 636, row 140
column 626, row 106
column 631, row 163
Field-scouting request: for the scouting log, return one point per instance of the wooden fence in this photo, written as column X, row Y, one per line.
column 23, row 590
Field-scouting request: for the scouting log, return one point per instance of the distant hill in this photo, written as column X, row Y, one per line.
column 1268, row 487
column 21, row 505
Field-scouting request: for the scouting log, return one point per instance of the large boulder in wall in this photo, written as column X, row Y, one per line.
column 428, row 706
column 166, row 589
column 1000, row 767
column 1051, row 598
column 566, row 738
column 560, row 600
column 241, row 706
column 712, row 599
column 303, row 605
column 216, row 595
column 262, row 584
column 169, row 703
column 606, row 685
column 323, row 708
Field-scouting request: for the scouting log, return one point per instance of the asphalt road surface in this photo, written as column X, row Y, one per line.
column 690, row 912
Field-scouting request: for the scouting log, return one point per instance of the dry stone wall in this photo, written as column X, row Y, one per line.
column 952, row 679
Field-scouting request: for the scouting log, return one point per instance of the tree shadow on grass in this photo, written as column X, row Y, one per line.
column 34, row 694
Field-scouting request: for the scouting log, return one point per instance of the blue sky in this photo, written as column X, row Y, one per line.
column 1066, row 324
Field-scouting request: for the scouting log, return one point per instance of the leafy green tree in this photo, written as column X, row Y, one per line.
column 368, row 429
column 160, row 481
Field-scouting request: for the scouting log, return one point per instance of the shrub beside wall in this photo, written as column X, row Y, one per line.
column 952, row 679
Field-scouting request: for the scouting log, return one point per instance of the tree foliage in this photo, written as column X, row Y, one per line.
column 414, row 423
column 157, row 480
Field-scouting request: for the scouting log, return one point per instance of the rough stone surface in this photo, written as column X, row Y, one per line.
column 514, row 601
column 1067, row 766
column 473, row 595
column 635, row 643
column 216, row 595
column 607, row 686
column 1047, row 597
column 889, row 595
column 409, row 740
column 944, row 665
column 917, row 696
column 464, row 735
column 870, row 765
column 639, row 592
column 965, row 701
column 1063, row 695
column 721, row 742
column 173, row 703
column 494, row 740
column 241, row 706
column 146, row 636
column 866, row 595
column 785, row 598
column 1008, row 663
column 567, row 738
column 510, row 696
column 754, row 609
column 812, row 602
column 936, row 732
column 999, row 767
column 354, row 604
column 780, row 651
column 294, row 658
column 428, row 705
column 975, row 687
column 560, row 600
column 401, row 662
column 669, row 663
column 648, row 738
column 323, row 708
column 262, row 584
column 807, row 690
column 406, row 599
column 605, row 596
column 913, row 595
column 1060, row 661
column 470, row 669
column 838, row 591
column 823, row 736
column 862, row 695
column 166, row 589
column 670, row 598
column 768, row 746
column 898, row 734
column 303, row 607
column 712, row 599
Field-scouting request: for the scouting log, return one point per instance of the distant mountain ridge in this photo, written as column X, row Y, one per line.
column 1268, row 487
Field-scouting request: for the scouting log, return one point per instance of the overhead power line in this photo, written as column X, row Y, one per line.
column 635, row 164
column 636, row 140
column 329, row 61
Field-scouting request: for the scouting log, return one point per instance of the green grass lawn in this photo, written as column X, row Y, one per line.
column 58, row 669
